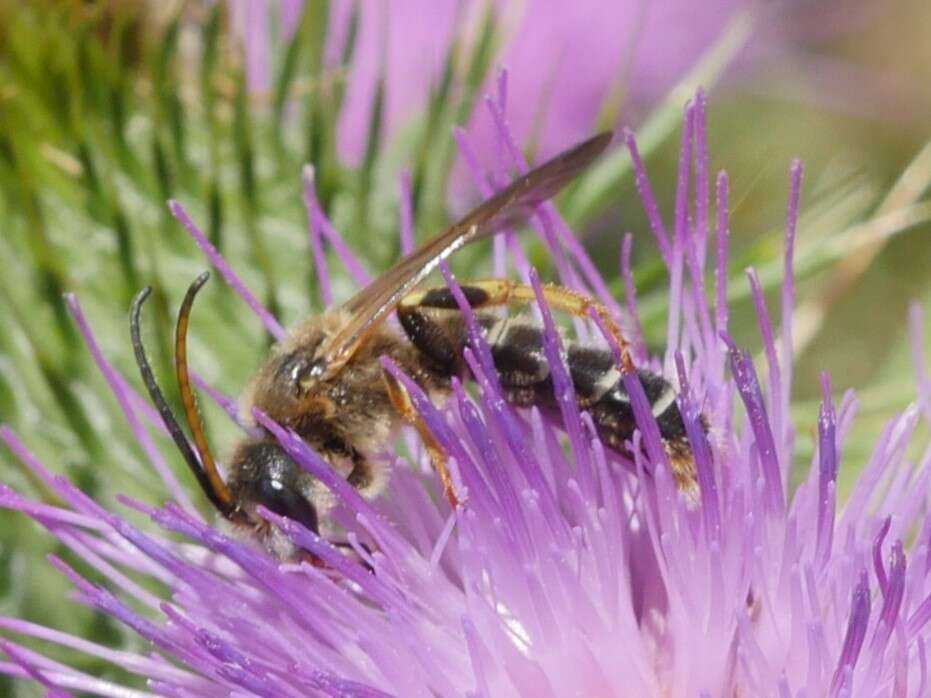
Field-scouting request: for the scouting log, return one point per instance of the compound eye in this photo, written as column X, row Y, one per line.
column 285, row 500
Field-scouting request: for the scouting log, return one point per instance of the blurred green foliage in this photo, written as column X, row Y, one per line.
column 106, row 111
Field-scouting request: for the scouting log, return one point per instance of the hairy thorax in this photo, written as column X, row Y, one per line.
column 347, row 418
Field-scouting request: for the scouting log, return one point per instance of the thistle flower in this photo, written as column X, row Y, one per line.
column 567, row 571
column 107, row 114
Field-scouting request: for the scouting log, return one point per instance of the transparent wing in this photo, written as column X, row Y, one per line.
column 375, row 302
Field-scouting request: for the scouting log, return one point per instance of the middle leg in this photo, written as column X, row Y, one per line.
column 404, row 406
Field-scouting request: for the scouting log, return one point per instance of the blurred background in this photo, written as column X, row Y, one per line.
column 109, row 109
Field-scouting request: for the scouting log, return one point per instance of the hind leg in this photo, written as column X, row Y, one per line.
column 490, row 293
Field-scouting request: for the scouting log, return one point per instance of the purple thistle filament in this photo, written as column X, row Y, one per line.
column 566, row 570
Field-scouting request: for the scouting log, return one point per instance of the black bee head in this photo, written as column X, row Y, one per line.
column 263, row 474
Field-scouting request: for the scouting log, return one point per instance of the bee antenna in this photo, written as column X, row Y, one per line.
column 218, row 487
column 220, row 496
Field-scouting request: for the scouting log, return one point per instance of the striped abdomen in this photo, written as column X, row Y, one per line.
column 437, row 329
column 525, row 377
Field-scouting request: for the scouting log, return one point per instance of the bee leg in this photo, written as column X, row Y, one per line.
column 498, row 292
column 404, row 407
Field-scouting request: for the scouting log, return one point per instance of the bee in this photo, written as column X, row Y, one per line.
column 326, row 382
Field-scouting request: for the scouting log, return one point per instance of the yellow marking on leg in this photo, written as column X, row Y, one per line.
column 401, row 401
column 507, row 292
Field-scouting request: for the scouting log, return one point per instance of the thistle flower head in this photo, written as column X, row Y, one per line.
column 568, row 570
